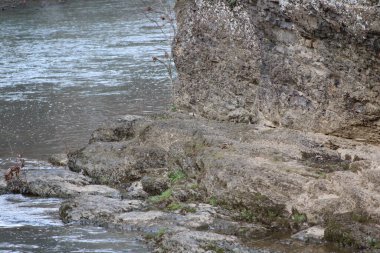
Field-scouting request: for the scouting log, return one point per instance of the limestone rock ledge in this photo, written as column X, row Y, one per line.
column 278, row 178
column 305, row 65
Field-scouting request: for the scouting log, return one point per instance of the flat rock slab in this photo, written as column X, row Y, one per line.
column 57, row 183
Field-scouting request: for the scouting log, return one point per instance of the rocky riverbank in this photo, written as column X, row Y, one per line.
column 242, row 167
column 189, row 184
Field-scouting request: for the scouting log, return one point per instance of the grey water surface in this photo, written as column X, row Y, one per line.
column 65, row 68
column 30, row 224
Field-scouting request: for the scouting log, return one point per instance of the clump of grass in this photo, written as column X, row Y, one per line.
column 174, row 206
column 373, row 243
column 298, row 217
column 188, row 209
column 361, row 217
column 162, row 197
column 213, row 201
column 184, row 209
column 176, row 176
column 246, row 215
column 173, row 108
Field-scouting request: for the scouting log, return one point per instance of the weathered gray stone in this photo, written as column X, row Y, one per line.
column 308, row 65
column 57, row 183
column 155, row 185
column 264, row 170
column 135, row 191
column 58, row 159
column 313, row 234
column 117, row 162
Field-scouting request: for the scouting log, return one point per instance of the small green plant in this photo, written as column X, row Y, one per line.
column 247, row 215
column 188, row 209
column 173, row 108
column 176, row 176
column 174, row 206
column 373, row 243
column 213, row 201
column 162, row 197
column 361, row 217
column 298, row 217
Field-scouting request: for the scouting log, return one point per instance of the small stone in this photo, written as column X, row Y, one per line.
column 155, row 185
column 313, row 234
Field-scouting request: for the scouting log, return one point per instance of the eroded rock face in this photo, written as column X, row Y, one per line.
column 310, row 65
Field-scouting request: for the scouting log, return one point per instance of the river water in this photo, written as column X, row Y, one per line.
column 64, row 69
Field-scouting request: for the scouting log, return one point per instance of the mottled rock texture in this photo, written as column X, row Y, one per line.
column 306, row 65
column 267, row 171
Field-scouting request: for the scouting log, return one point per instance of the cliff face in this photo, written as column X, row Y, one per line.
column 310, row 65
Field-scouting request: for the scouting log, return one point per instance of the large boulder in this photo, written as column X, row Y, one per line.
column 307, row 65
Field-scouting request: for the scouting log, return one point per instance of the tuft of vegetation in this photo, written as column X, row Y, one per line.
column 336, row 233
column 173, row 108
column 213, row 201
column 176, row 176
column 188, row 209
column 298, row 217
column 184, row 209
column 174, row 206
column 373, row 243
column 166, row 195
column 361, row 217
column 246, row 215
